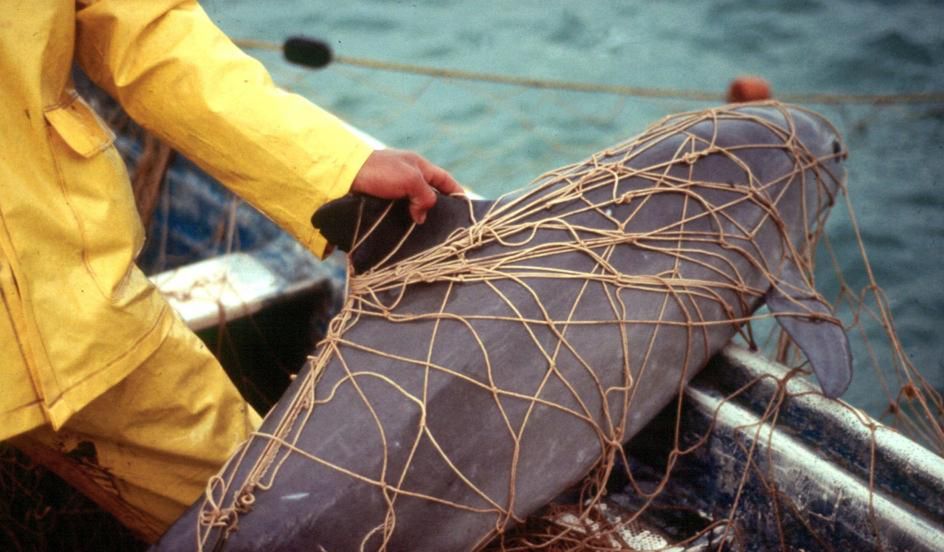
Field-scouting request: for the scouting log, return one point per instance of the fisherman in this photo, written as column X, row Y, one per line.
column 102, row 382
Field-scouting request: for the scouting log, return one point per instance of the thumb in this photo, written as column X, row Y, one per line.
column 422, row 199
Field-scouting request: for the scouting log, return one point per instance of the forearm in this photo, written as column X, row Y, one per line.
column 180, row 77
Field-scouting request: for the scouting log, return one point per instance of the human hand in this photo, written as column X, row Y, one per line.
column 394, row 174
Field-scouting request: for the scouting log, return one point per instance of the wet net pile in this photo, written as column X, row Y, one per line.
column 545, row 332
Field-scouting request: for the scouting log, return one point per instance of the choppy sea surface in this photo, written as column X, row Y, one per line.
column 497, row 138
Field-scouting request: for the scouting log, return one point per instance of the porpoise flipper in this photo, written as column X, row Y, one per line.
column 824, row 343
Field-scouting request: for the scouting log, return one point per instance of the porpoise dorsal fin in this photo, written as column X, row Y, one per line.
column 823, row 342
column 353, row 218
column 372, row 230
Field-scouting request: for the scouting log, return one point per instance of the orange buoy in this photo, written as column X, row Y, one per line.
column 748, row 88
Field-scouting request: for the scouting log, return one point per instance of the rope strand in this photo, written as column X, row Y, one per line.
column 811, row 98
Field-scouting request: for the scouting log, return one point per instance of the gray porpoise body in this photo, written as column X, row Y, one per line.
column 311, row 505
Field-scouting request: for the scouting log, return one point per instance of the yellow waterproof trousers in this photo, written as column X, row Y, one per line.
column 145, row 448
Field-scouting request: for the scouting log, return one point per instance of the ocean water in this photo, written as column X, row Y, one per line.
column 497, row 138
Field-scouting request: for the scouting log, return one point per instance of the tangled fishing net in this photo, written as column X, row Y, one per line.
column 710, row 273
column 701, row 293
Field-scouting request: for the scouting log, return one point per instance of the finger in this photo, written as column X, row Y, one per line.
column 439, row 178
column 422, row 199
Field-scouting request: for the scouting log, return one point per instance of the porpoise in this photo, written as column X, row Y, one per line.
column 487, row 360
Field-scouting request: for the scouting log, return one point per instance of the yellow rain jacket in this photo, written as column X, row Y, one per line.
column 76, row 315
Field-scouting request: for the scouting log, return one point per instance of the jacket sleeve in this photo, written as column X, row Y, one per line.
column 181, row 78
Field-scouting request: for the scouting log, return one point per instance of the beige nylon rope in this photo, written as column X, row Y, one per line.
column 600, row 88
column 377, row 293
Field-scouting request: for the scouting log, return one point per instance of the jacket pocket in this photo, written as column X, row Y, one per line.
column 98, row 191
column 80, row 127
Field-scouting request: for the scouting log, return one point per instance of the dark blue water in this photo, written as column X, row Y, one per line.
column 497, row 138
